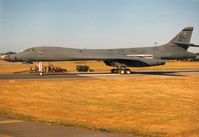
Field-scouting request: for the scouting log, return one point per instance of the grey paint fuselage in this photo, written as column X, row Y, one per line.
column 69, row 54
column 128, row 57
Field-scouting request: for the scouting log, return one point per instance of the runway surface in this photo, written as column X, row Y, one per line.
column 98, row 75
column 19, row 128
column 29, row 76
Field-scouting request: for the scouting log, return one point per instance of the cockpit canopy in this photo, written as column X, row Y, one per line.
column 28, row 50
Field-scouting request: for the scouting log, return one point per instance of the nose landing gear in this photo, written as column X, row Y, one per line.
column 40, row 66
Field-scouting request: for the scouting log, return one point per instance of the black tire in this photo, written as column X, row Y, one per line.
column 127, row 71
column 115, row 71
column 122, row 71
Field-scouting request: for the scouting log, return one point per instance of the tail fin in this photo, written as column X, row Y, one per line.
column 182, row 38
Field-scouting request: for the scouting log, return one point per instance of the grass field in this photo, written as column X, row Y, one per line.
column 150, row 107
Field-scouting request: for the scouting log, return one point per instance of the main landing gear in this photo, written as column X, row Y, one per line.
column 121, row 70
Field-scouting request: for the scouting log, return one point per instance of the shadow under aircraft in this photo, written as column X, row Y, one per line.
column 120, row 59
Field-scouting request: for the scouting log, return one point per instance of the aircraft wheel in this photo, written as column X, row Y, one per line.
column 112, row 70
column 115, row 71
column 122, row 71
column 128, row 71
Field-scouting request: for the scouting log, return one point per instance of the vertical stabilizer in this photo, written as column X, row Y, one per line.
column 184, row 36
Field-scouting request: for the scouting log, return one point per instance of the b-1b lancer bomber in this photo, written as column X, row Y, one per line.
column 121, row 59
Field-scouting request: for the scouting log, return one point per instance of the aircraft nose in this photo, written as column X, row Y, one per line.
column 5, row 57
column 11, row 58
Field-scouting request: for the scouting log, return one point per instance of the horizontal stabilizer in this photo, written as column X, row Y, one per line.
column 193, row 45
column 187, row 44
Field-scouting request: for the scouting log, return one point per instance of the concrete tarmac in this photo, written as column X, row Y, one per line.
column 35, row 76
column 18, row 128
column 98, row 75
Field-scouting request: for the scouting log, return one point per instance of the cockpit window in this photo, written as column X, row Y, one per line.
column 28, row 50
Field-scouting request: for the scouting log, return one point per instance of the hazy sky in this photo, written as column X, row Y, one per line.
column 94, row 23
